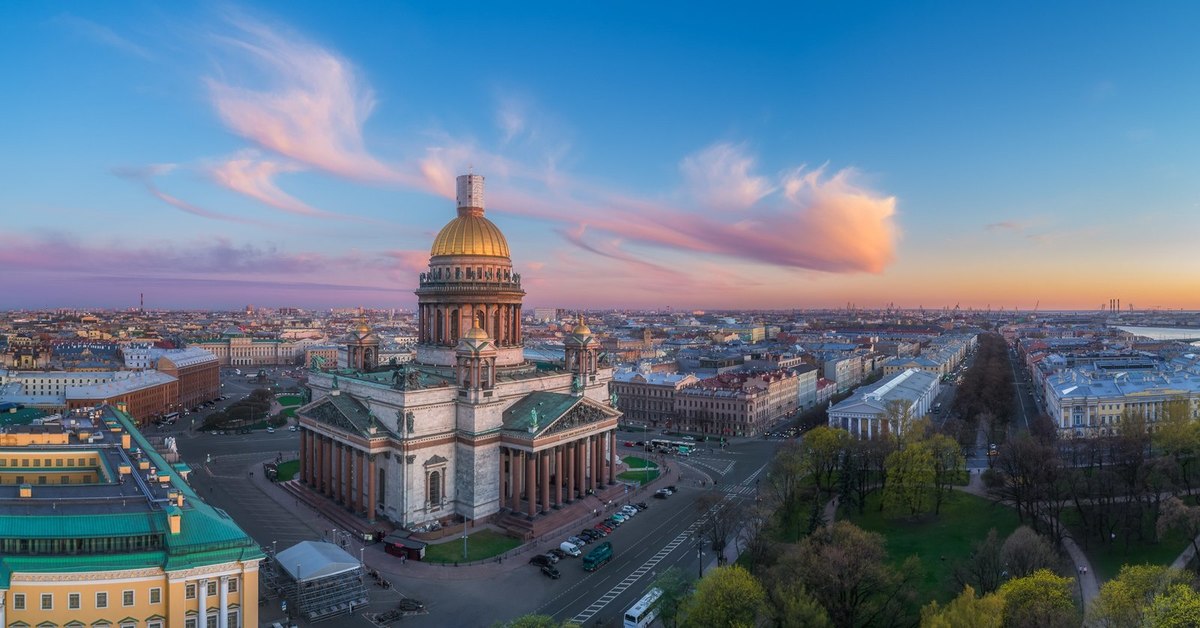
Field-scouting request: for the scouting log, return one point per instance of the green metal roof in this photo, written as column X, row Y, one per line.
column 80, row 563
column 17, row 526
column 549, row 405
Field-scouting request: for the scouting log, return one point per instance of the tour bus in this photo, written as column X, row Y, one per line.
column 170, row 418
column 643, row 613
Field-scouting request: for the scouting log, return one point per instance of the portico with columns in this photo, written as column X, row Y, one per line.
column 555, row 449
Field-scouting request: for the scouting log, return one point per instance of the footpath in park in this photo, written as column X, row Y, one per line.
column 1088, row 586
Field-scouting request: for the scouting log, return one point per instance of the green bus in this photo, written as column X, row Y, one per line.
column 597, row 557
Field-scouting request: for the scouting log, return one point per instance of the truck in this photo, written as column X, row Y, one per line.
column 598, row 556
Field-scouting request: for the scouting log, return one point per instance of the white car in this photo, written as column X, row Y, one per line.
column 270, row 430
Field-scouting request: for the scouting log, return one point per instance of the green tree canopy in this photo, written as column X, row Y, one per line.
column 1043, row 599
column 965, row 610
column 1178, row 607
column 1124, row 600
column 726, row 597
column 910, row 475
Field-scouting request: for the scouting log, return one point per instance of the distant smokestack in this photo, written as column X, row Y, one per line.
column 142, row 301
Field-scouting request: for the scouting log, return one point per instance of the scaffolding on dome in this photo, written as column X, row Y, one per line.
column 320, row 580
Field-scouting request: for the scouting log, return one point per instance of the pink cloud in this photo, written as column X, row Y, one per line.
column 299, row 100
column 247, row 173
column 719, row 177
column 145, row 176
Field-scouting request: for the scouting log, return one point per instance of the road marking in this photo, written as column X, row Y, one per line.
column 746, row 487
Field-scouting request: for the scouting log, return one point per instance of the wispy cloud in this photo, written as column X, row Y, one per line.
column 101, row 34
column 719, row 176
column 1007, row 225
column 248, row 173
column 146, row 175
column 299, row 100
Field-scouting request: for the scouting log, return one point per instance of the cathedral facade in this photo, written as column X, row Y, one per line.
column 470, row 428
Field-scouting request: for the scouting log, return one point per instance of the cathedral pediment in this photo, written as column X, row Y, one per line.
column 542, row 413
column 346, row 414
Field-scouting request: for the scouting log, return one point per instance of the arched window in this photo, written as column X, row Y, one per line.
column 434, row 488
column 439, row 325
column 454, row 333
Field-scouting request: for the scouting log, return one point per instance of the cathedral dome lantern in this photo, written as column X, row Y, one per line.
column 581, row 351
column 362, row 347
column 470, row 284
column 475, row 360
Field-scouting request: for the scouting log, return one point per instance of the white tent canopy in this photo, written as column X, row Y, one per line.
column 313, row 560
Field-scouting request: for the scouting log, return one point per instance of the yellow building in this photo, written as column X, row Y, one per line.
column 97, row 529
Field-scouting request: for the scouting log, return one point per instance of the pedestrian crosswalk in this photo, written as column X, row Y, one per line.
column 720, row 467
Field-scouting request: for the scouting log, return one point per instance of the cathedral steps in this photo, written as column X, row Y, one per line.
column 336, row 514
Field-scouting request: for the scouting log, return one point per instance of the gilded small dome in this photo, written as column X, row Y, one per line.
column 470, row 234
column 363, row 328
column 475, row 333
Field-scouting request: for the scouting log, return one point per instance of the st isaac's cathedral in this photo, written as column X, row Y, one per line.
column 470, row 428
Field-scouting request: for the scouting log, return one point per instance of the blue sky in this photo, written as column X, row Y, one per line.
column 637, row 154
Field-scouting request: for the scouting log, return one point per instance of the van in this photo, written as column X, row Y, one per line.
column 570, row 548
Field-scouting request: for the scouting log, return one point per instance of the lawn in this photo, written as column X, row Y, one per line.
column 287, row 470
column 638, row 463
column 639, row 475
column 1107, row 558
column 289, row 400
column 480, row 545
column 939, row 542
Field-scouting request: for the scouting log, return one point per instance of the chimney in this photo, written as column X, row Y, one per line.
column 174, row 519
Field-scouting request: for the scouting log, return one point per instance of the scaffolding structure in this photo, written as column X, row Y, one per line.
column 320, row 580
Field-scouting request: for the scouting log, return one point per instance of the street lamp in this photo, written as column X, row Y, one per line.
column 362, row 564
column 699, row 557
column 273, row 548
column 464, row 546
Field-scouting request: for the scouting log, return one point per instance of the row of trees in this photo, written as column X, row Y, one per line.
column 985, row 396
column 1118, row 485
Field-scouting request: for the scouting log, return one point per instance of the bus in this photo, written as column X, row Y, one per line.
column 643, row 613
column 170, row 418
column 598, row 557
column 670, row 446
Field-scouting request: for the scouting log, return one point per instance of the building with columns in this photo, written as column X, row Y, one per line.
column 98, row 529
column 470, row 429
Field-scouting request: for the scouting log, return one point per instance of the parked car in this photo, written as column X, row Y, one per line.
column 293, row 429
column 551, row 572
column 642, row 505
column 629, row 443
column 569, row 549
column 661, row 493
column 551, row 557
column 588, row 535
column 577, row 540
column 540, row 560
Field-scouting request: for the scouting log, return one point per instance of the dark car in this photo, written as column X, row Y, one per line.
column 588, row 535
column 540, row 560
column 672, row 488
column 557, row 553
column 551, row 572
column 641, row 505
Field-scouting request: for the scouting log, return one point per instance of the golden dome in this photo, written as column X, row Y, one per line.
column 470, row 234
column 363, row 328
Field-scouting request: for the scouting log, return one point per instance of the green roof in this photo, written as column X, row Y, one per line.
column 549, row 405
column 81, row 526
column 76, row 563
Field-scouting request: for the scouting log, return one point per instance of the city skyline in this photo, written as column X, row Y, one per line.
column 635, row 156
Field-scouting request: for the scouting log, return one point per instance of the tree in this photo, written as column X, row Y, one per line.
column 1178, row 607
column 792, row 606
column 948, row 463
column 846, row 569
column 674, row 586
column 1025, row 552
column 727, row 596
column 984, row 568
column 1043, row 599
column 910, row 476
column 783, row 485
column 1176, row 515
column 965, row 610
column 823, row 447
column 1124, row 600
column 1178, row 436
column 724, row 518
